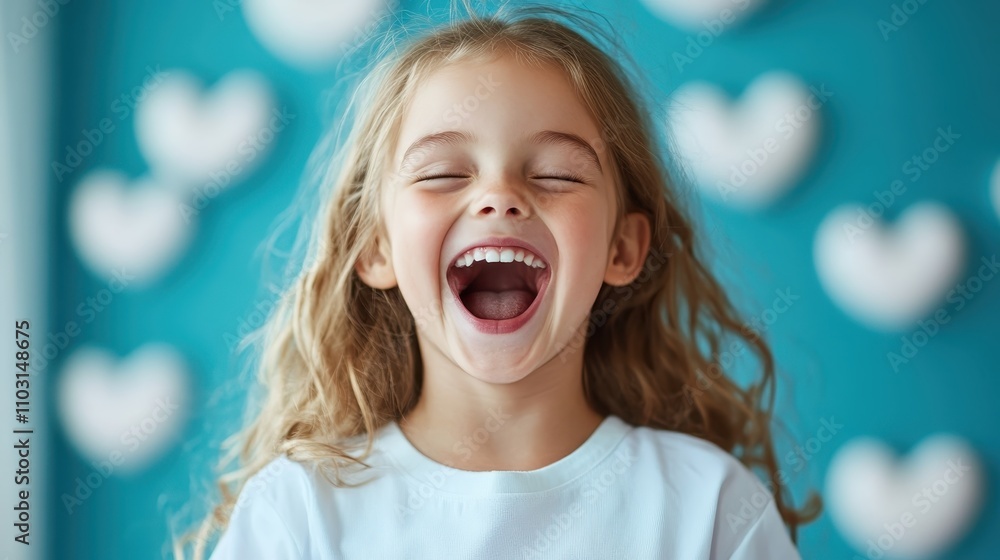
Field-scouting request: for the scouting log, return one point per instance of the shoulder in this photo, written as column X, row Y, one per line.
column 716, row 491
column 696, row 465
column 690, row 456
column 270, row 516
column 279, row 483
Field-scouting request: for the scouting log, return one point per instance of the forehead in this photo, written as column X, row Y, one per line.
column 499, row 101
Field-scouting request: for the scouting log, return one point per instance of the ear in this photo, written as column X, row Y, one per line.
column 374, row 266
column 628, row 250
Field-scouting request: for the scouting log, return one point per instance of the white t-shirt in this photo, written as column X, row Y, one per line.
column 627, row 492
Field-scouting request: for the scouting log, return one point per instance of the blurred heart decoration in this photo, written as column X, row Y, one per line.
column 912, row 508
column 126, row 230
column 127, row 413
column 710, row 16
column 311, row 32
column 192, row 137
column 889, row 277
column 747, row 153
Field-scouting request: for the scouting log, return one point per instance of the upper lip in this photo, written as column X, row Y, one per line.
column 501, row 242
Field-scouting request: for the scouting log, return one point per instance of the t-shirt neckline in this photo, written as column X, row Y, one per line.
column 427, row 471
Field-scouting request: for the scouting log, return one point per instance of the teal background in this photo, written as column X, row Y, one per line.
column 939, row 69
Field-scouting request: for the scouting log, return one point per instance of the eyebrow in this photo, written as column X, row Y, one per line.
column 457, row 137
column 425, row 143
column 567, row 139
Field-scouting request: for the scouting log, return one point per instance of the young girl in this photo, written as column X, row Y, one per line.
column 504, row 344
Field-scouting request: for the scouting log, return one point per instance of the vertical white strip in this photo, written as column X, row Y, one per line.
column 26, row 56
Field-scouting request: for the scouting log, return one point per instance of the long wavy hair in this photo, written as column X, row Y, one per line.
column 339, row 359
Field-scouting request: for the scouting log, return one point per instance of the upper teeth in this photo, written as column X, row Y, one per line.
column 499, row 254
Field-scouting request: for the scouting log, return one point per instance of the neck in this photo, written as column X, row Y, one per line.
column 474, row 425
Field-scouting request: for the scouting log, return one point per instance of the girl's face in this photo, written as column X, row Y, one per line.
column 499, row 213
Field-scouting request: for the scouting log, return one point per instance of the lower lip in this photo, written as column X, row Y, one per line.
column 503, row 326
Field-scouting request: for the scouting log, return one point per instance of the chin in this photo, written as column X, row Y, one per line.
column 498, row 374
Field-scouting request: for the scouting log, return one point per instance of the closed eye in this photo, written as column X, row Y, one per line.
column 569, row 178
column 420, row 178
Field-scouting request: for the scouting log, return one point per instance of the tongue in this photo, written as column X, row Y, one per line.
column 497, row 305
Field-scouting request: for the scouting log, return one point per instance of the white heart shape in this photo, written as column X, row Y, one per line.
column 126, row 230
column 129, row 413
column 889, row 278
column 193, row 138
column 747, row 153
column 309, row 32
column 707, row 14
column 910, row 509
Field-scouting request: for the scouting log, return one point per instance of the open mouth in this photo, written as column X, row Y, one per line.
column 499, row 283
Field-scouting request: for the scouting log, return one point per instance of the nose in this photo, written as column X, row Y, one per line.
column 502, row 200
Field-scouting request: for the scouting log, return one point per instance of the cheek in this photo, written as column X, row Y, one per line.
column 416, row 230
column 582, row 238
column 585, row 236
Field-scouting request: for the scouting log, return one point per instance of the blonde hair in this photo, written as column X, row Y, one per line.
column 340, row 359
